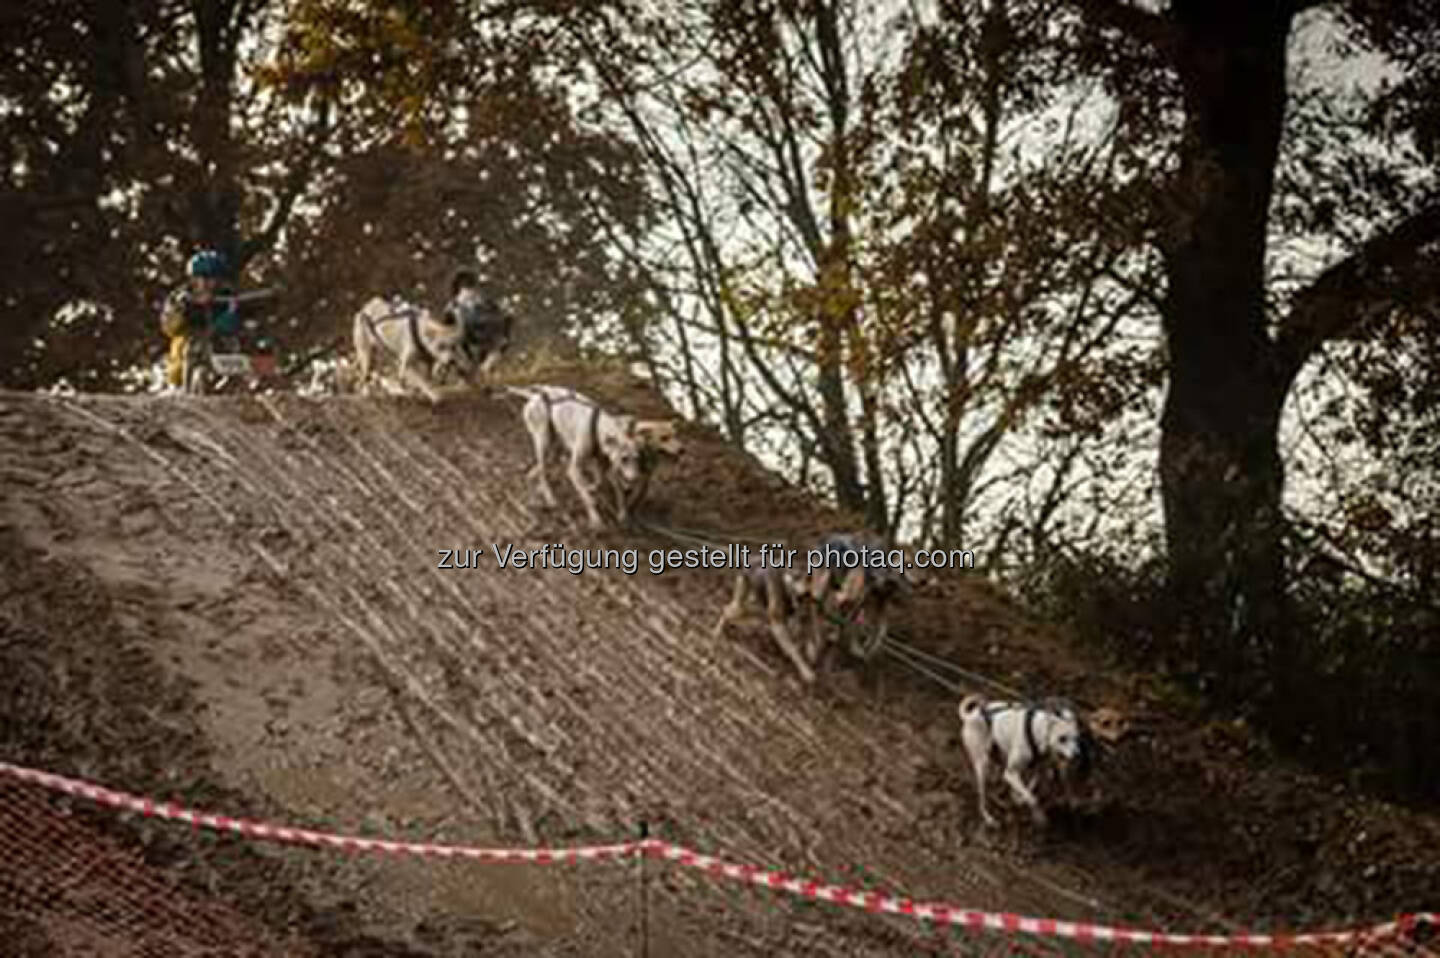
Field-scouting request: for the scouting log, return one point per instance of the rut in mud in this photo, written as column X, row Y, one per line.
column 275, row 559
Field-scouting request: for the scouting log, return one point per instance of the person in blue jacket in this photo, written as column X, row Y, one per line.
column 204, row 304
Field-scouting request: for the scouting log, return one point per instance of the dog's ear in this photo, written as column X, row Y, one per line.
column 1108, row 724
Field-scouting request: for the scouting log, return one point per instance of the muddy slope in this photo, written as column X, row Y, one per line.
column 236, row 603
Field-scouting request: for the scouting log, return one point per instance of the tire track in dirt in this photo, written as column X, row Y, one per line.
column 518, row 709
column 392, row 476
column 559, row 654
column 593, row 698
column 254, row 453
column 511, row 713
column 359, row 565
column 729, row 837
column 655, row 678
column 758, row 844
column 223, row 481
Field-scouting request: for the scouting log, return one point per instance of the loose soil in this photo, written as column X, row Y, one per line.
column 235, row 603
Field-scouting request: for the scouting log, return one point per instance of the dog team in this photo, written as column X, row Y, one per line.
column 607, row 448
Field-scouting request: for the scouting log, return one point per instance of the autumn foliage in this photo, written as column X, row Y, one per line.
column 1140, row 306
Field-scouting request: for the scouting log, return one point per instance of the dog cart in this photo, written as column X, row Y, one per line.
column 226, row 364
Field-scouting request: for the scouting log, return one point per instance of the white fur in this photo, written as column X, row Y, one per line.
column 566, row 414
column 386, row 325
column 1056, row 733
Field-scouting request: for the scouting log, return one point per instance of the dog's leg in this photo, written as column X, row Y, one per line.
column 857, row 627
column 976, row 737
column 577, row 478
column 634, row 495
column 1015, row 779
column 828, row 638
column 402, row 367
column 362, row 357
column 590, row 471
column 816, row 591
column 981, row 766
column 622, row 499
column 775, row 613
column 537, row 419
column 736, row 606
column 805, row 615
column 431, row 393
column 409, row 374
column 820, row 644
column 866, row 645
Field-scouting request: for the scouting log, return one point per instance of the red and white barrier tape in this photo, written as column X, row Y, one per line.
column 935, row 912
column 942, row 914
column 279, row 833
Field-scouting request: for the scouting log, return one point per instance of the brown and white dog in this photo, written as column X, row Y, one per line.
column 777, row 589
column 854, row 579
column 841, row 578
column 423, row 348
column 620, row 448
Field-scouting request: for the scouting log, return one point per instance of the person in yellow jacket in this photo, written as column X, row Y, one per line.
column 204, row 304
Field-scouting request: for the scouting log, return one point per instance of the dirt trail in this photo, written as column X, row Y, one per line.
column 275, row 561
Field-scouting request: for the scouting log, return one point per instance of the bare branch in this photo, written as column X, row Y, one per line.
column 296, row 182
column 1341, row 298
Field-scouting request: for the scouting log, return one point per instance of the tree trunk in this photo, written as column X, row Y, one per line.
column 215, row 199
column 838, row 319
column 836, row 442
column 877, row 515
column 1220, row 467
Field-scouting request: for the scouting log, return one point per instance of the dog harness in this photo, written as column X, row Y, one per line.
column 989, row 711
column 872, row 577
column 411, row 315
column 575, row 397
column 425, row 354
column 1083, row 759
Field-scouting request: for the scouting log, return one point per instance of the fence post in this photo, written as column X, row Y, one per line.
column 644, row 903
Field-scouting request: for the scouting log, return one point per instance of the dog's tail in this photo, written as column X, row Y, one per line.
column 970, row 707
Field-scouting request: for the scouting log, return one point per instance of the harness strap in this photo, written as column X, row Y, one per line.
column 1030, row 731
column 870, row 576
column 391, row 317
column 989, row 712
column 595, row 412
column 425, row 354
column 595, row 430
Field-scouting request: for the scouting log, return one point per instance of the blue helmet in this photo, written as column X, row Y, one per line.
column 206, row 264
